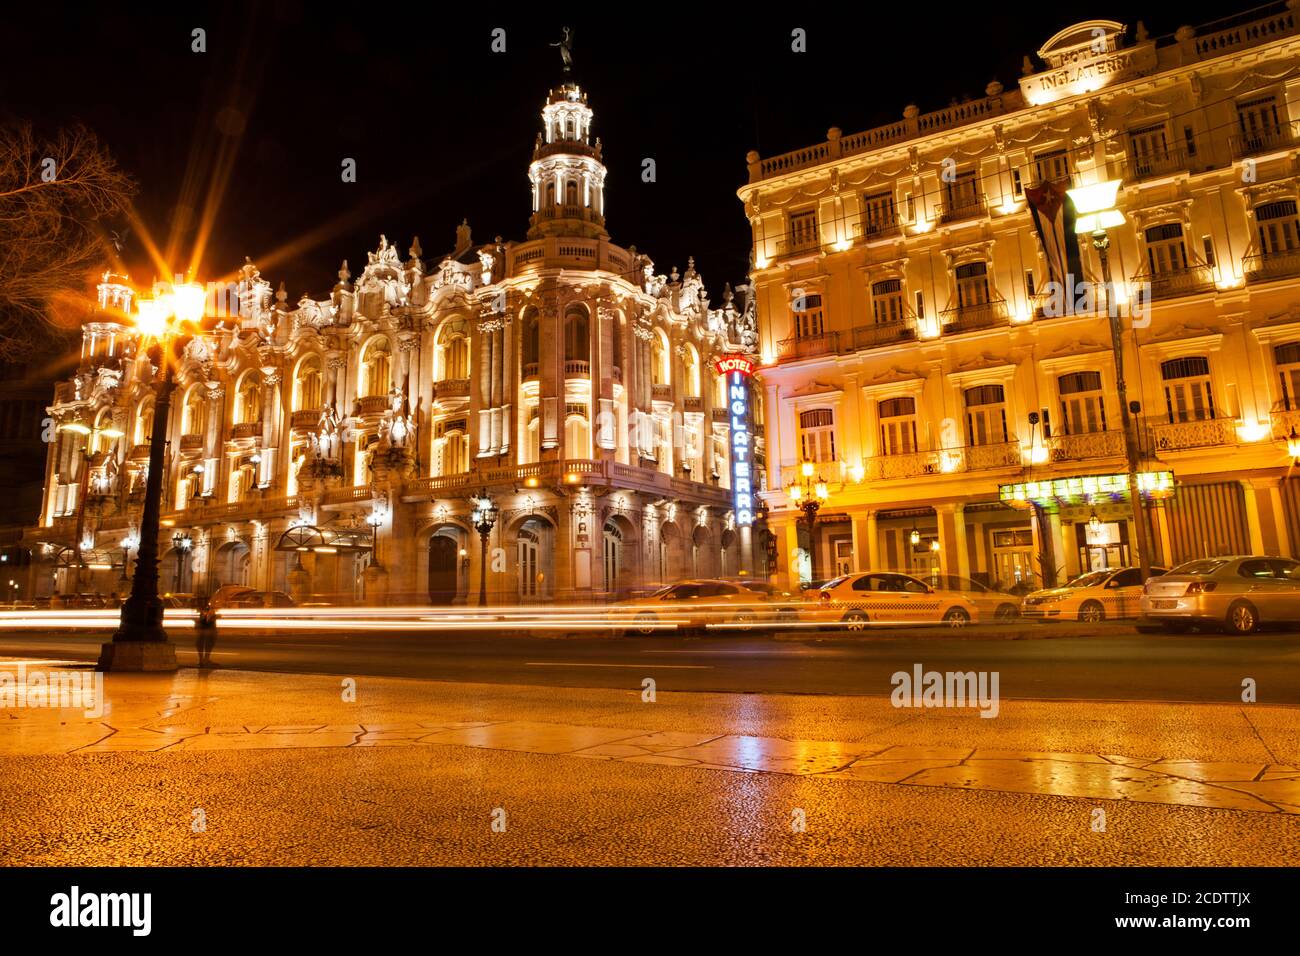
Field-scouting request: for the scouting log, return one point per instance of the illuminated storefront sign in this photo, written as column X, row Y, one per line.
column 737, row 369
column 1089, row 489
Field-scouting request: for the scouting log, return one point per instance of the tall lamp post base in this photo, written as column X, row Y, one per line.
column 137, row 656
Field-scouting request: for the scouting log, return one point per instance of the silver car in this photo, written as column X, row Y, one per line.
column 1238, row 592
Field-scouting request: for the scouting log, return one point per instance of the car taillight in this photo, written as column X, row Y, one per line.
column 1201, row 587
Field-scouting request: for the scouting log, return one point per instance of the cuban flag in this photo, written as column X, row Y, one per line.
column 1054, row 215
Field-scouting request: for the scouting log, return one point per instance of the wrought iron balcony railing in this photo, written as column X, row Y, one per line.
column 970, row 318
column 959, row 208
column 1267, row 139
column 1175, row 283
column 1266, row 266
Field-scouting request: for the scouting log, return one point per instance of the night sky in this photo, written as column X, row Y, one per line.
column 442, row 128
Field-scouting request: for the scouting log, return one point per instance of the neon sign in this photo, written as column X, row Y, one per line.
column 737, row 370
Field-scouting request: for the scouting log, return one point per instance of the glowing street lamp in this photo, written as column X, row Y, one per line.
column 165, row 324
column 808, row 495
column 1095, row 205
column 1293, row 446
column 483, row 518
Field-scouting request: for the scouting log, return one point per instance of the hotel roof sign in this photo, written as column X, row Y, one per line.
column 1083, row 58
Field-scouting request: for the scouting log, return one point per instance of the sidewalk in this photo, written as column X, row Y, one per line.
column 1231, row 757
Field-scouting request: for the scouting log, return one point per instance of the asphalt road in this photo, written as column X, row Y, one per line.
column 1107, row 662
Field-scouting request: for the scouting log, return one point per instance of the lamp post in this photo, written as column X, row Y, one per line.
column 127, row 543
column 182, row 542
column 140, row 642
column 374, row 519
column 1095, row 205
column 809, row 494
column 484, row 517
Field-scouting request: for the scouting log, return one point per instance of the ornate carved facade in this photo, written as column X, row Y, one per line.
column 562, row 375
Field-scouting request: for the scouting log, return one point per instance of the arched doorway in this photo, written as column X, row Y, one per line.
column 230, row 565
column 702, row 564
column 535, row 551
column 444, row 561
column 613, row 556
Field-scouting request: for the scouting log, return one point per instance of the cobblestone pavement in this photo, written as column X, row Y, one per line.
column 292, row 752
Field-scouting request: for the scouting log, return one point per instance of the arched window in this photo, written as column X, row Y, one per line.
column 577, row 437
column 455, row 358
column 571, row 193
column 577, row 335
column 972, row 284
column 143, row 423
column 1166, row 252
column 307, row 391
column 453, row 458
column 376, row 368
column 660, row 373
column 99, row 441
column 248, row 407
column 533, row 439
column 550, row 195
column 692, row 369
column 195, row 418
column 530, row 346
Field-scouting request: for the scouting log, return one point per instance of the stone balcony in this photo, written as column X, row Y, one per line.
column 305, row 419
column 661, row 393
column 577, row 368
column 245, row 430
column 373, row 404
column 451, row 388
column 191, row 442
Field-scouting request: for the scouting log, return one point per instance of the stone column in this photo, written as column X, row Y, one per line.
column 1252, row 518
column 959, row 540
column 788, row 544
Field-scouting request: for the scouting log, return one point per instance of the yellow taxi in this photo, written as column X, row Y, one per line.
column 888, row 597
column 708, row 602
column 1104, row 594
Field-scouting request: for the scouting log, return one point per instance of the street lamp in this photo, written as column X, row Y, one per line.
column 375, row 519
column 140, row 643
column 808, row 495
column 1095, row 205
column 1293, row 446
column 182, row 542
column 483, row 518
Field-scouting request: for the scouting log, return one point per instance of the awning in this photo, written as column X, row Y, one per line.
column 308, row 537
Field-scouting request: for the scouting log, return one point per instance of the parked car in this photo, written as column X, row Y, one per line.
column 263, row 599
column 699, row 603
column 228, row 594
column 888, row 597
column 994, row 605
column 1100, row 595
column 1239, row 592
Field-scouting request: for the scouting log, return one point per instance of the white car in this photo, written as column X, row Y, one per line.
column 888, row 597
column 1093, row 596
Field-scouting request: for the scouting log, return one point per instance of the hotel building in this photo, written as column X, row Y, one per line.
column 915, row 351
column 335, row 449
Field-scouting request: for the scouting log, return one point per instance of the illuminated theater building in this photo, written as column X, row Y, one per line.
column 335, row 449
column 964, row 422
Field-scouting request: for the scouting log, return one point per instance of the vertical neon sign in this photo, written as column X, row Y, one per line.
column 737, row 371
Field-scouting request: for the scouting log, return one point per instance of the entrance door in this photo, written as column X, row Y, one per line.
column 442, row 569
column 843, row 556
column 613, row 552
column 529, row 554
column 1013, row 558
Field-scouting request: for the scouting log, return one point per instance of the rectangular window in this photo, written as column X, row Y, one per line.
column 898, row 426
column 920, row 305
column 1017, row 187
column 1207, row 244
column 972, row 285
column 986, row 415
column 808, row 322
column 879, row 216
column 817, row 435
column 1149, row 149
column 1165, row 250
column 803, row 230
column 1188, row 396
column 1259, row 123
column 1276, row 225
column 887, row 301
column 1052, row 166
column 1029, row 283
column 1082, row 406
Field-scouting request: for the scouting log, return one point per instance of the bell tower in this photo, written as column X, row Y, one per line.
column 566, row 173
